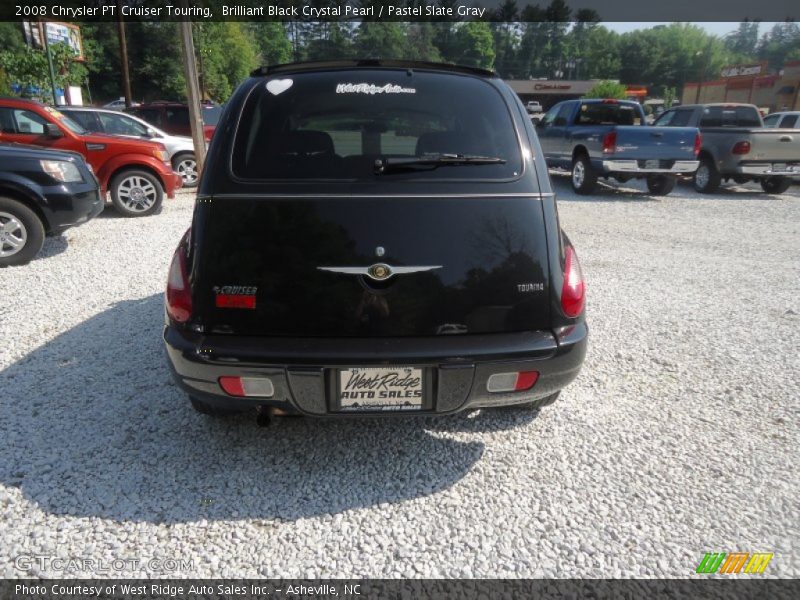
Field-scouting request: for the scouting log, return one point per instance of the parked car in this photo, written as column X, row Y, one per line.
column 783, row 120
column 608, row 138
column 42, row 192
column 173, row 117
column 118, row 104
column 737, row 146
column 533, row 106
column 136, row 173
column 180, row 148
column 374, row 237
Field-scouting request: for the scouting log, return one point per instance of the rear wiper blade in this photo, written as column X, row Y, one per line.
column 432, row 161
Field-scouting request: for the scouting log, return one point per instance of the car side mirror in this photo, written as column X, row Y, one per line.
column 537, row 121
column 151, row 133
column 52, row 130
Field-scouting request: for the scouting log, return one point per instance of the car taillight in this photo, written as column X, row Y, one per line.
column 741, row 148
column 573, row 293
column 517, row 381
column 610, row 142
column 698, row 142
column 179, row 297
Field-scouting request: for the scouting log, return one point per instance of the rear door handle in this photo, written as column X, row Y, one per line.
column 786, row 138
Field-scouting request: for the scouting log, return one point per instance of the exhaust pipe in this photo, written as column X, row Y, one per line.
column 264, row 415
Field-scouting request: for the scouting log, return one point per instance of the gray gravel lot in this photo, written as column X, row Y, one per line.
column 679, row 437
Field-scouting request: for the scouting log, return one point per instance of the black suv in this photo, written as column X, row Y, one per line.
column 374, row 237
column 42, row 192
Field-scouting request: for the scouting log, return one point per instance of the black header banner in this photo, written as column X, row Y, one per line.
column 399, row 10
column 398, row 589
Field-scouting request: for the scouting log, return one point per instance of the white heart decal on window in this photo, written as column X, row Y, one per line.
column 278, row 86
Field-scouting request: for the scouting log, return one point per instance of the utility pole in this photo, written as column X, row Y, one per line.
column 193, row 92
column 49, row 63
column 123, row 56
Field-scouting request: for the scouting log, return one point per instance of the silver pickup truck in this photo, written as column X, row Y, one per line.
column 736, row 146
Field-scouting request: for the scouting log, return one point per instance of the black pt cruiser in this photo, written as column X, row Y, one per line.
column 374, row 237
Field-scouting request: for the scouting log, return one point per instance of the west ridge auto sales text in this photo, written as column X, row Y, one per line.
column 165, row 590
column 350, row 11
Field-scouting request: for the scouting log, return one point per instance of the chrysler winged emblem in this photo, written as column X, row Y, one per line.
column 379, row 271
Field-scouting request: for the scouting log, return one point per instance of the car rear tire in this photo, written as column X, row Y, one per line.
column 136, row 193
column 205, row 408
column 706, row 178
column 660, row 185
column 21, row 233
column 775, row 185
column 583, row 176
column 186, row 166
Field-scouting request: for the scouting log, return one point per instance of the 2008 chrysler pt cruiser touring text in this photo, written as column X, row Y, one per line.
column 374, row 237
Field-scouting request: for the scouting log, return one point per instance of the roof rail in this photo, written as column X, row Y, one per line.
column 370, row 62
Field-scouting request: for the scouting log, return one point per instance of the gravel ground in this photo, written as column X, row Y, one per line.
column 679, row 437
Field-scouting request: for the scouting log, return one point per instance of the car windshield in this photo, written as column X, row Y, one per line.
column 337, row 124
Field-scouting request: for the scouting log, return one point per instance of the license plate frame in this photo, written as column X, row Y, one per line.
column 371, row 381
column 652, row 164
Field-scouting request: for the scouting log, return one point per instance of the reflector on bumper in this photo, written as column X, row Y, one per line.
column 512, row 382
column 250, row 387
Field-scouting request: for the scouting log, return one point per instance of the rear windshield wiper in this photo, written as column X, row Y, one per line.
column 432, row 161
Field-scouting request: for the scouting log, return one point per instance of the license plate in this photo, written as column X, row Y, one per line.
column 652, row 164
column 784, row 168
column 380, row 389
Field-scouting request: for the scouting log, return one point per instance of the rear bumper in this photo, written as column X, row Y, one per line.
column 303, row 370
column 788, row 169
column 637, row 166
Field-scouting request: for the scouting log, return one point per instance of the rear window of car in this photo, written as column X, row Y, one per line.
column 602, row 113
column 730, row 116
column 336, row 124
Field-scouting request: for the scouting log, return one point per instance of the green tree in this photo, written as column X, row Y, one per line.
column 778, row 43
column 607, row 89
column 272, row 43
column 380, row 40
column 227, row 55
column 421, row 42
column 476, row 44
column 600, row 57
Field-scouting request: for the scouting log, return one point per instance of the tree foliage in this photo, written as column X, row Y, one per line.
column 607, row 89
column 520, row 40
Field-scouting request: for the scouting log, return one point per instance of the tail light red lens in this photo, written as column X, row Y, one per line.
column 741, row 148
column 573, row 293
column 610, row 142
column 179, row 297
column 698, row 143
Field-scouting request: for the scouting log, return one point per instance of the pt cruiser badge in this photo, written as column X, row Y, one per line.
column 379, row 271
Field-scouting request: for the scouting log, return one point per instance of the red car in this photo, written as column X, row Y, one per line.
column 137, row 173
column 173, row 117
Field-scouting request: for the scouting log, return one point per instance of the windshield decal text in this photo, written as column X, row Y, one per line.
column 372, row 89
